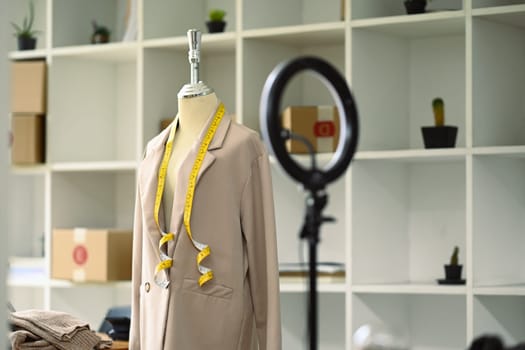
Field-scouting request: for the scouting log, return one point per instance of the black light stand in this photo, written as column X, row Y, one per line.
column 314, row 180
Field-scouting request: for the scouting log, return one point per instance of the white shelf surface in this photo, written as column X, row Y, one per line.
column 40, row 169
column 510, row 289
column 415, row 155
column 219, row 42
column 54, row 283
column 111, row 52
column 301, row 35
column 511, row 151
column 28, row 54
column 513, row 15
column 416, row 26
column 410, row 288
column 94, row 166
column 300, row 284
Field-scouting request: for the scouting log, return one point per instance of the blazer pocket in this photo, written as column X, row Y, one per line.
column 203, row 311
column 209, row 289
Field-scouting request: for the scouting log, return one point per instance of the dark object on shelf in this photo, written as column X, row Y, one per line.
column 439, row 136
column 116, row 323
column 445, row 281
column 216, row 23
column 26, row 43
column 493, row 342
column 415, row 6
column 100, row 34
column 453, row 269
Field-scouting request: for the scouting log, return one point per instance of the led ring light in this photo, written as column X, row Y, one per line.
column 272, row 131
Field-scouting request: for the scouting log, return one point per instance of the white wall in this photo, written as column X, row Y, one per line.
column 3, row 162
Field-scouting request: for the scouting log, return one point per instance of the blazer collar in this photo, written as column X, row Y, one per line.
column 148, row 177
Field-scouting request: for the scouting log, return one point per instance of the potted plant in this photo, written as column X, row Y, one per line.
column 216, row 23
column 100, row 33
column 453, row 270
column 439, row 135
column 415, row 6
column 25, row 33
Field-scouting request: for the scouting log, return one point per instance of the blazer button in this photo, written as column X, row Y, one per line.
column 147, row 287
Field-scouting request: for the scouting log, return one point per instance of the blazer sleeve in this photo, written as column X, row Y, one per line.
column 258, row 225
column 134, row 337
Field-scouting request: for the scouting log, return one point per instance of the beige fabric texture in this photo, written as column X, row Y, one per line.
column 42, row 329
column 233, row 213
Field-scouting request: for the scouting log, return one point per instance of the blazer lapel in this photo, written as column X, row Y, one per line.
column 187, row 166
column 148, row 181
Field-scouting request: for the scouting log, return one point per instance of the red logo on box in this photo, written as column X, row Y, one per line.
column 324, row 129
column 80, row 255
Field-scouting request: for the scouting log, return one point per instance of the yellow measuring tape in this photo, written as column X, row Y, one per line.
column 204, row 250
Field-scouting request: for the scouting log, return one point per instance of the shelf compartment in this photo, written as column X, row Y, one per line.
column 394, row 81
column 18, row 10
column 166, row 19
column 498, row 221
column 411, row 317
column 362, row 9
column 72, row 24
column 96, row 120
column 27, row 199
column 497, row 70
column 106, row 296
column 500, row 315
column 289, row 216
column 258, row 14
column 261, row 55
column 24, row 298
column 410, row 215
column 93, row 200
column 294, row 318
column 165, row 73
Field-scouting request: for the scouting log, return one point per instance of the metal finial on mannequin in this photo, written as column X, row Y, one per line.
column 195, row 87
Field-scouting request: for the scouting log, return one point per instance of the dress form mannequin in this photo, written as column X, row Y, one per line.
column 196, row 103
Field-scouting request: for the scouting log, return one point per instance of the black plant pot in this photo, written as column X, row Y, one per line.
column 26, row 43
column 453, row 272
column 415, row 6
column 216, row 27
column 98, row 38
column 439, row 136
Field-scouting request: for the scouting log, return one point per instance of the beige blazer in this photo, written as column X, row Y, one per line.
column 233, row 213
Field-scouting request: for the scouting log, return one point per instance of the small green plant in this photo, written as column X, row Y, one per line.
column 216, row 15
column 26, row 29
column 454, row 259
column 438, row 107
column 99, row 29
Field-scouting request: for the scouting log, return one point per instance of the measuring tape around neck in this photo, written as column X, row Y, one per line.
column 204, row 250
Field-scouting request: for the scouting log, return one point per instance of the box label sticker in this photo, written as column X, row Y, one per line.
column 324, row 129
column 80, row 255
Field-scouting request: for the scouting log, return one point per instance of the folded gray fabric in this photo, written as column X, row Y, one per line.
column 24, row 340
column 59, row 329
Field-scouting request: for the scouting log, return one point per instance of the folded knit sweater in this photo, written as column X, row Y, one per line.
column 47, row 330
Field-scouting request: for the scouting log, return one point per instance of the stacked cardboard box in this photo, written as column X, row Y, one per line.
column 28, row 110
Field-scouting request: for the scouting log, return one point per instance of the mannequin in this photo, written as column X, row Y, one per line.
column 217, row 204
column 193, row 114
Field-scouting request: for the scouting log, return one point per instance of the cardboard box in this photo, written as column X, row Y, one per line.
column 91, row 255
column 28, row 87
column 28, row 139
column 318, row 124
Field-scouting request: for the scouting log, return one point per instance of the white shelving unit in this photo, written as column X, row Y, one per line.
column 400, row 209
